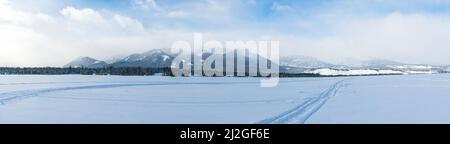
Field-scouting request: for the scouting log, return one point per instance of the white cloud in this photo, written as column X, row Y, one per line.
column 413, row 38
column 88, row 21
column 83, row 15
column 128, row 23
column 10, row 15
column 280, row 7
column 211, row 11
column 177, row 14
column 22, row 43
column 40, row 39
column 80, row 32
column 147, row 5
column 24, row 46
column 4, row 2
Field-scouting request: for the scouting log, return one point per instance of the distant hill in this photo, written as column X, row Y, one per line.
column 303, row 62
column 152, row 59
column 367, row 63
column 86, row 62
column 292, row 65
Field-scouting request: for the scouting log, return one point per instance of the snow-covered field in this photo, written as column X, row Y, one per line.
column 119, row 99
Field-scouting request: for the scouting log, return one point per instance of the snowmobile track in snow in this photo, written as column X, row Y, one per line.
column 9, row 97
column 301, row 113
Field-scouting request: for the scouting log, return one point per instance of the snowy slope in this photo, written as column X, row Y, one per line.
column 86, row 62
column 116, row 99
column 154, row 58
column 366, row 63
column 303, row 62
column 413, row 99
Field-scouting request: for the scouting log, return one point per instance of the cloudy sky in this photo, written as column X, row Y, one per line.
column 53, row 32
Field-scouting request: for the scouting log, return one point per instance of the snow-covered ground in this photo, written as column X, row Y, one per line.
column 332, row 72
column 119, row 99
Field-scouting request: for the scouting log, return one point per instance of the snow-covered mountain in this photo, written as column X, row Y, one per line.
column 161, row 58
column 349, row 67
column 303, row 62
column 114, row 59
column 86, row 62
column 348, row 62
column 154, row 59
column 380, row 63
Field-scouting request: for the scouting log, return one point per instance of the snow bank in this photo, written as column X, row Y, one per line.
column 333, row 72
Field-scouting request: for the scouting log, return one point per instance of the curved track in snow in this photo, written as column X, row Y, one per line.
column 301, row 113
column 9, row 97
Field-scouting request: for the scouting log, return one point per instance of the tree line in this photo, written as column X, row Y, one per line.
column 125, row 71
column 86, row 71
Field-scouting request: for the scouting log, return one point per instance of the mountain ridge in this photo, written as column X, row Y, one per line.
column 86, row 62
column 162, row 58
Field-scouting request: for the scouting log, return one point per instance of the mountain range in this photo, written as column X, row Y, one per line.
column 160, row 58
column 86, row 62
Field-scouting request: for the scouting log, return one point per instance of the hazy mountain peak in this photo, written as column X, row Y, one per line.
column 303, row 62
column 367, row 63
column 152, row 58
column 381, row 62
column 86, row 62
